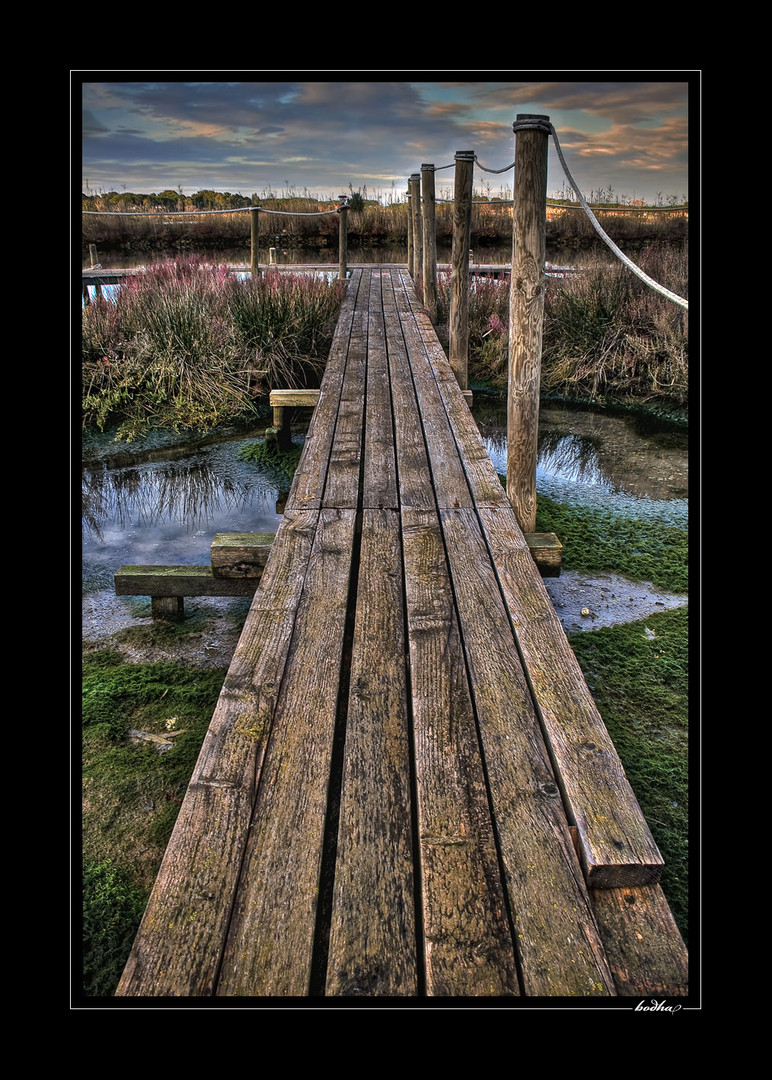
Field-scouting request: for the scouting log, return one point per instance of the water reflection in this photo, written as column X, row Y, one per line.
column 591, row 457
column 169, row 511
column 570, row 457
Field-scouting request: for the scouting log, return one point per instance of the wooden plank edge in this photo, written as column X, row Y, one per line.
column 179, row 581
column 240, row 555
column 643, row 944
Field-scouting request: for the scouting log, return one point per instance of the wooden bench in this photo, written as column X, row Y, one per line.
column 406, row 789
column 237, row 563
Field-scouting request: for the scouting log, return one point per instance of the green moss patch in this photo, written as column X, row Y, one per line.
column 132, row 789
column 600, row 541
column 638, row 675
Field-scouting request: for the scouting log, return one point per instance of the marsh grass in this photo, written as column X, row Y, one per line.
column 608, row 337
column 308, row 221
column 186, row 346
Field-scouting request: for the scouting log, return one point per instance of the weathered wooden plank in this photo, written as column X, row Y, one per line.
column 309, row 480
column 373, row 950
column 180, row 940
column 547, row 552
column 341, row 488
column 558, row 942
column 615, row 844
column 448, row 477
column 240, row 555
column 643, row 943
column 379, row 479
column 415, row 481
column 484, row 484
column 270, row 946
column 469, row 945
column 298, row 399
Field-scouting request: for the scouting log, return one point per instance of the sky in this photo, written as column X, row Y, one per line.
column 327, row 133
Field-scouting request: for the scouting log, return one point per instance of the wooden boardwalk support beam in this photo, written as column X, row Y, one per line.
column 406, row 789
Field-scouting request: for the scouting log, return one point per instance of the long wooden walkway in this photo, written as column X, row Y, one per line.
column 406, row 789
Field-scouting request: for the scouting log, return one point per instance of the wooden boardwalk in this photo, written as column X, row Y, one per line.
column 406, row 789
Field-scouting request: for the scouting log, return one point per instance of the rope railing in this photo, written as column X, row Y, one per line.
column 198, row 213
column 524, row 125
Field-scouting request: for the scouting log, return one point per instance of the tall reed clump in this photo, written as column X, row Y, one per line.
column 186, row 346
column 607, row 335
column 488, row 316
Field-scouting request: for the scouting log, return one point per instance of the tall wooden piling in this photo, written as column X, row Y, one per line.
column 343, row 240
column 430, row 240
column 459, row 290
column 526, row 311
column 409, row 229
column 254, row 221
column 416, row 272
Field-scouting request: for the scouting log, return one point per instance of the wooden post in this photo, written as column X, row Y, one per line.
column 526, row 310
column 255, row 233
column 343, row 241
column 415, row 211
column 430, row 240
column 92, row 254
column 459, row 283
column 409, row 229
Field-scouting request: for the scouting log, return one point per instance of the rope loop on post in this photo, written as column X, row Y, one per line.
column 533, row 123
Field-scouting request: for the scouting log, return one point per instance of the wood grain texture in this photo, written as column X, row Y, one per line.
column 616, row 845
column 178, row 947
column 404, row 759
column 269, row 950
column 469, row 950
column 308, row 483
column 373, row 950
column 558, row 942
column 643, row 944
column 240, row 555
column 379, row 467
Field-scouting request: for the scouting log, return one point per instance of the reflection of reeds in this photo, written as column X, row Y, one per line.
column 573, row 456
column 93, row 510
column 154, row 496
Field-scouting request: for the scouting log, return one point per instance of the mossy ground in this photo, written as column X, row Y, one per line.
column 639, row 677
column 131, row 792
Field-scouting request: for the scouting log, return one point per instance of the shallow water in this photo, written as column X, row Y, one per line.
column 168, row 512
column 602, row 460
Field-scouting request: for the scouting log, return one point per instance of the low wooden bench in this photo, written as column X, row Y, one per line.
column 237, row 563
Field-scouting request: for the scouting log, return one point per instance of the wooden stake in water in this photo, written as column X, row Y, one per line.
column 459, row 291
column 526, row 311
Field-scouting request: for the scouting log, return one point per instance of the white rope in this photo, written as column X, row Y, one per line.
column 545, row 125
column 607, row 239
